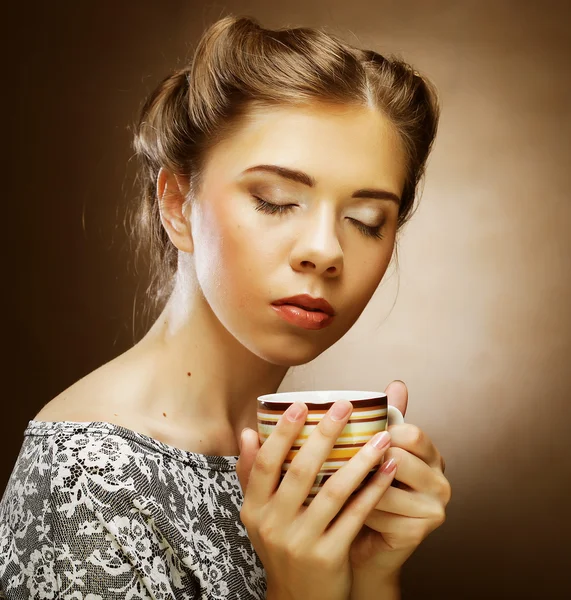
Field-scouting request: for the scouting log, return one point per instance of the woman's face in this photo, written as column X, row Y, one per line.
column 324, row 224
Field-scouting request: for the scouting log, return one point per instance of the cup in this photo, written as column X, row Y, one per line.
column 371, row 414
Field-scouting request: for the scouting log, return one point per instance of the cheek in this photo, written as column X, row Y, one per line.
column 371, row 276
column 366, row 275
column 226, row 256
column 239, row 267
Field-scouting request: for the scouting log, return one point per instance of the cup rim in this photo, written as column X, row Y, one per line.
column 312, row 396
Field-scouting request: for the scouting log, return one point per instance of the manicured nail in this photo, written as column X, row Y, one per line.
column 294, row 412
column 389, row 466
column 340, row 410
column 240, row 442
column 381, row 439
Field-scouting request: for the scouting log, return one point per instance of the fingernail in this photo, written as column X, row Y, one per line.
column 340, row 410
column 294, row 412
column 381, row 439
column 240, row 441
column 389, row 466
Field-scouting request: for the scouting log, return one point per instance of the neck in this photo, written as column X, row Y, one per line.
column 198, row 373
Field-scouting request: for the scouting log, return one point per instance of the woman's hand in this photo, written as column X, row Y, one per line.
column 305, row 549
column 407, row 513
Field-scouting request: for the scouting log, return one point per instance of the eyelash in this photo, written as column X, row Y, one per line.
column 272, row 209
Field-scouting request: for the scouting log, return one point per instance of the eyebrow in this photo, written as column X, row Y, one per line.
column 305, row 179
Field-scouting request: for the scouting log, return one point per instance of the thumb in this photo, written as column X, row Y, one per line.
column 397, row 394
column 250, row 444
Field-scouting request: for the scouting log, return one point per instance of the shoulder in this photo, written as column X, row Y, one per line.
column 68, row 464
column 103, row 395
column 114, row 507
column 70, row 476
column 93, row 518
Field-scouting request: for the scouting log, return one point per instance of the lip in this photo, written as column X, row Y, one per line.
column 300, row 317
column 294, row 310
column 305, row 301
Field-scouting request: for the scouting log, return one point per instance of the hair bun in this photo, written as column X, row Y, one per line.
column 236, row 63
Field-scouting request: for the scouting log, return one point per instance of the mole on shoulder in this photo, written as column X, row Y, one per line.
column 164, row 414
column 188, row 373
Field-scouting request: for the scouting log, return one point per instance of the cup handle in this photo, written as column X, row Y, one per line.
column 395, row 416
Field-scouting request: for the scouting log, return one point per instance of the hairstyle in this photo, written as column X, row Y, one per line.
column 238, row 65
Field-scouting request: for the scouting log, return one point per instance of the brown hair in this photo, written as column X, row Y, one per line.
column 237, row 65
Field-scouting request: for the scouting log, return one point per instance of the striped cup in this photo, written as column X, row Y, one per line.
column 369, row 416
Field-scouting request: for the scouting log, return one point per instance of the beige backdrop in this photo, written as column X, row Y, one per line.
column 476, row 320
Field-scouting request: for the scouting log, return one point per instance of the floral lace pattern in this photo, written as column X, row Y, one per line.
column 95, row 511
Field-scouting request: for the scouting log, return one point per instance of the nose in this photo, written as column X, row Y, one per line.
column 317, row 249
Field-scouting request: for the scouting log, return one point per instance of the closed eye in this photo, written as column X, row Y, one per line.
column 272, row 209
column 368, row 230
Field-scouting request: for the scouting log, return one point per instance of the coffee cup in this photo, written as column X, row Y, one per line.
column 371, row 414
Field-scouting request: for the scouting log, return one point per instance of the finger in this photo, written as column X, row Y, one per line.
column 409, row 504
column 349, row 522
column 338, row 488
column 412, row 439
column 397, row 394
column 399, row 531
column 415, row 473
column 249, row 446
column 309, row 459
column 266, row 469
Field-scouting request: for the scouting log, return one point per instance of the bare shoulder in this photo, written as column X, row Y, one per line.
column 119, row 393
column 94, row 397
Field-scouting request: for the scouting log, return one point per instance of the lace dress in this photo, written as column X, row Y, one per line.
column 95, row 511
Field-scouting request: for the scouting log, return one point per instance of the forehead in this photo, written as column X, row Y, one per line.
column 339, row 146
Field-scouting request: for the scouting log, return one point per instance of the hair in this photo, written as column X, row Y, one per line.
column 238, row 65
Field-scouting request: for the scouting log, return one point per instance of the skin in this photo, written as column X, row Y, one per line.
column 260, row 257
column 407, row 513
column 234, row 261
column 403, row 517
column 314, row 249
column 193, row 379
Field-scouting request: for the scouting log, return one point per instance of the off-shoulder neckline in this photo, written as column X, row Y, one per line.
column 218, row 463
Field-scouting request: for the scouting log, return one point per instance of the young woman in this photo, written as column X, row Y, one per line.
column 277, row 168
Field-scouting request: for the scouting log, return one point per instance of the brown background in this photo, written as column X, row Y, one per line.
column 481, row 328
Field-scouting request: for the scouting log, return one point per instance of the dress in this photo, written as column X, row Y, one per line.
column 95, row 511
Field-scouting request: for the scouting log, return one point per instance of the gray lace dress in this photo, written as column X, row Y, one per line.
column 95, row 511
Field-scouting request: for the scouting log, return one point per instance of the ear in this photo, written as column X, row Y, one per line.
column 172, row 195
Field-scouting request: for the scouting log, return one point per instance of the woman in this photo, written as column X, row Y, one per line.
column 277, row 168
